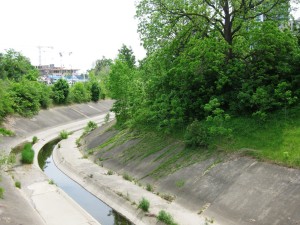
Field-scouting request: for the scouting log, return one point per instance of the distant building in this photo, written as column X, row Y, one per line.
column 57, row 71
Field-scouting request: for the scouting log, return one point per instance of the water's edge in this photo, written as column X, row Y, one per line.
column 94, row 206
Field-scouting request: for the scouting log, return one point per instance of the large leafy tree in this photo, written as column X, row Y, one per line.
column 15, row 66
column 163, row 20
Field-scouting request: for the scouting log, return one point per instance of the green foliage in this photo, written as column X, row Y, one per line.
column 2, row 193
column 25, row 98
column 79, row 93
column 91, row 125
column 60, row 91
column 196, row 135
column 34, row 140
column 149, row 187
column 14, row 66
column 6, row 132
column 144, row 204
column 5, row 100
column 18, row 184
column 126, row 176
column 216, row 118
column 165, row 217
column 27, row 154
column 63, row 134
column 95, row 92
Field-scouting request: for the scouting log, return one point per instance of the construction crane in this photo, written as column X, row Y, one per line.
column 40, row 52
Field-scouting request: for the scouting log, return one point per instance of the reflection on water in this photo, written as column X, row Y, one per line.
column 95, row 207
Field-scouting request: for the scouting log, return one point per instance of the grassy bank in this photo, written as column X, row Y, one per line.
column 275, row 140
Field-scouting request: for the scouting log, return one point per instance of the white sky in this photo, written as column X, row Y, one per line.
column 89, row 29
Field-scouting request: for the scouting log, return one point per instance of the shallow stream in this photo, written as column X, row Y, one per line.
column 94, row 206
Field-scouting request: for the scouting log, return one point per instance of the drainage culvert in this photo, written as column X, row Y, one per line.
column 94, row 206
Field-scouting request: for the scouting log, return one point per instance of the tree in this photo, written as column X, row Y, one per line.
column 126, row 55
column 25, row 98
column 79, row 93
column 60, row 91
column 95, row 92
column 15, row 66
column 163, row 20
column 102, row 66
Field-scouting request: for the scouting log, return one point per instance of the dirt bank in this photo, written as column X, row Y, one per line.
column 235, row 190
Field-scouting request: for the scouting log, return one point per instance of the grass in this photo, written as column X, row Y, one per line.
column 2, row 193
column 6, row 132
column 276, row 140
column 63, row 134
column 18, row 184
column 144, row 204
column 165, row 217
column 91, row 125
column 27, row 154
column 51, row 182
column 149, row 187
column 126, row 176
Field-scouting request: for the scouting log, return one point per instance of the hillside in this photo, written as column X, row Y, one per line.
column 236, row 180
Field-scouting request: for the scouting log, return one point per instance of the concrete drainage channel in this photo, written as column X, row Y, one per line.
column 94, row 206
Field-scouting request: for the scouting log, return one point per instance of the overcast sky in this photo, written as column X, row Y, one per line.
column 89, row 29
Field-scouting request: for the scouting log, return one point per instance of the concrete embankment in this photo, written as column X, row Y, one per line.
column 233, row 190
column 38, row 202
column 120, row 194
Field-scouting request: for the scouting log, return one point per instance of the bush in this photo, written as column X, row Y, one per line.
column 95, row 92
column 34, row 140
column 2, row 192
column 149, row 187
column 64, row 134
column 144, row 205
column 27, row 154
column 196, row 135
column 25, row 98
column 18, row 184
column 79, row 93
column 127, row 177
column 166, row 218
column 60, row 91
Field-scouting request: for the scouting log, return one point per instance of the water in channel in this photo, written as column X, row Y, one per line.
column 95, row 207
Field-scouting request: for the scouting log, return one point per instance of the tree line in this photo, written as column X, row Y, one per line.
column 21, row 92
column 207, row 61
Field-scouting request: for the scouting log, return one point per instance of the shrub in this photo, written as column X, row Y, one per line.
column 95, row 92
column 34, row 140
column 149, row 187
column 127, row 177
column 27, row 154
column 196, row 135
column 110, row 172
column 51, row 182
column 18, row 184
column 79, row 93
column 166, row 218
column 2, row 192
column 91, row 125
column 63, row 134
column 60, row 91
column 25, row 98
column 144, row 204
column 106, row 118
